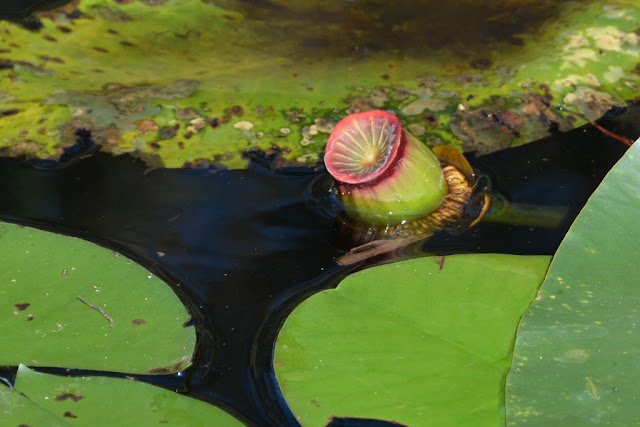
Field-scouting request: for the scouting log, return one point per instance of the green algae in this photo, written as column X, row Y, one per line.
column 188, row 83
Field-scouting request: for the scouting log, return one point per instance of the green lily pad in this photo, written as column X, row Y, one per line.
column 51, row 288
column 423, row 339
column 577, row 352
column 187, row 82
column 18, row 410
column 99, row 401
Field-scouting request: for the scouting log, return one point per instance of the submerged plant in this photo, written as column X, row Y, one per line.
column 388, row 179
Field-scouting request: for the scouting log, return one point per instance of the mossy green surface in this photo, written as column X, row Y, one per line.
column 190, row 82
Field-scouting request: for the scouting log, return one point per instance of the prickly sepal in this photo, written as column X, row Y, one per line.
column 385, row 175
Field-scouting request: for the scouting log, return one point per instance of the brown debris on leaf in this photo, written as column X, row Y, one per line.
column 493, row 127
column 27, row 149
column 359, row 104
column 375, row 248
column 67, row 11
column 591, row 103
column 147, row 125
column 168, row 132
column 487, row 129
column 198, row 163
column 64, row 396
column 180, row 365
column 236, row 110
column 196, row 124
column 186, row 114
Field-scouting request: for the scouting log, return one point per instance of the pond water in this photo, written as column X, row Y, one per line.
column 243, row 247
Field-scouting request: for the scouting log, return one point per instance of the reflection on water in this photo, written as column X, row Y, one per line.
column 246, row 246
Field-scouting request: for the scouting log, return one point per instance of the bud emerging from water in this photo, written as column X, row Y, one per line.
column 385, row 175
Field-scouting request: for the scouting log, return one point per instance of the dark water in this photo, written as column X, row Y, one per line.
column 244, row 247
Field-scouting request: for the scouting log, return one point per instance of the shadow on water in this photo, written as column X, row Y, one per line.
column 419, row 27
column 20, row 9
column 465, row 30
column 243, row 247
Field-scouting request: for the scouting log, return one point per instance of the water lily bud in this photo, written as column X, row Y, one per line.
column 385, row 176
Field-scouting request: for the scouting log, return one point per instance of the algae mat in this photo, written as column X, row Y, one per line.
column 189, row 83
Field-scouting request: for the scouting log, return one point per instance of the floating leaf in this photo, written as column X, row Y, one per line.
column 577, row 352
column 52, row 289
column 423, row 339
column 18, row 410
column 99, row 401
column 192, row 81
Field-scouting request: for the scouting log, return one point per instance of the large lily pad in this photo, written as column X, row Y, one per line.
column 423, row 339
column 577, row 353
column 99, row 401
column 189, row 81
column 51, row 288
column 18, row 410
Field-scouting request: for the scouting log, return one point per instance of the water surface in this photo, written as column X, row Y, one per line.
column 243, row 247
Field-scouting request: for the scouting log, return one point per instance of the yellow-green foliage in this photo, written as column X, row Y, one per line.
column 185, row 80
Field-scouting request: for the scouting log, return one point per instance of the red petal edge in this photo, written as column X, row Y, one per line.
column 348, row 121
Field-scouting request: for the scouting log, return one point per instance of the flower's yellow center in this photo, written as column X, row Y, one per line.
column 371, row 157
